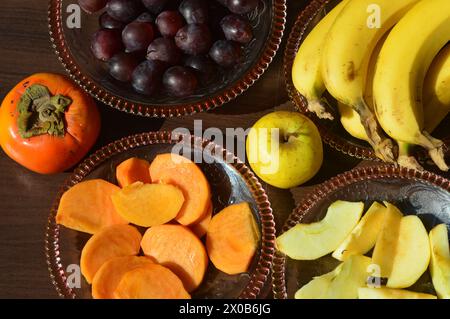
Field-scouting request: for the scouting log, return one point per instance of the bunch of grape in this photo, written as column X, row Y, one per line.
column 170, row 46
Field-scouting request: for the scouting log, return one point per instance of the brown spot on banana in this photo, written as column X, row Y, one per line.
column 350, row 72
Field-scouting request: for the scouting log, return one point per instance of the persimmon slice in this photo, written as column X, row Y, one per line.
column 177, row 248
column 114, row 241
column 148, row 205
column 133, row 170
column 201, row 227
column 87, row 207
column 107, row 278
column 151, row 282
column 232, row 239
column 185, row 174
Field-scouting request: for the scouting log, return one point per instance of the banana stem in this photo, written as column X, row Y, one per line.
column 382, row 145
column 405, row 159
column 435, row 149
column 319, row 107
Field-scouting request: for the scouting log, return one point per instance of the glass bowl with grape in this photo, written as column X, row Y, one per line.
column 165, row 58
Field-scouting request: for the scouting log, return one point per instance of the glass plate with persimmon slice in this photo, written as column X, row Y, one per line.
column 138, row 220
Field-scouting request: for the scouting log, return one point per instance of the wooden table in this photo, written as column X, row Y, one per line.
column 25, row 197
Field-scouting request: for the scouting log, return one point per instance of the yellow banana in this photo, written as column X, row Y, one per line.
column 436, row 90
column 306, row 72
column 436, row 97
column 436, row 101
column 400, row 74
column 351, row 122
column 350, row 119
column 346, row 56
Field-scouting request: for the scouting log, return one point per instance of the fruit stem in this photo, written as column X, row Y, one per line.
column 318, row 107
column 405, row 159
column 382, row 145
column 435, row 149
column 289, row 137
column 41, row 113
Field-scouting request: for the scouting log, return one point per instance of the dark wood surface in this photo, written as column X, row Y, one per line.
column 26, row 197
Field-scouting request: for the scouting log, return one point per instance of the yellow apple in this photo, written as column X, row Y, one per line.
column 389, row 293
column 312, row 241
column 412, row 253
column 386, row 245
column 284, row 149
column 318, row 287
column 341, row 283
column 364, row 236
column 440, row 261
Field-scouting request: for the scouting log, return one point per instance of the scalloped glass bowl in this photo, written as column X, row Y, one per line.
column 73, row 49
column 422, row 193
column 231, row 182
column 332, row 132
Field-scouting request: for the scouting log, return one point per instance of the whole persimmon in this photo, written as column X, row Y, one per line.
column 47, row 123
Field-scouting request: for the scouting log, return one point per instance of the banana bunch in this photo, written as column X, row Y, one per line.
column 436, row 106
column 375, row 67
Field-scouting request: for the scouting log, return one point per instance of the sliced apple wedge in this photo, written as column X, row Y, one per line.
column 319, row 286
column 312, row 241
column 412, row 253
column 386, row 245
column 440, row 261
column 352, row 276
column 364, row 236
column 389, row 293
column 341, row 283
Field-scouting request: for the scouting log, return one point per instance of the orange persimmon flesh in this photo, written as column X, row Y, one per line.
column 87, row 207
column 151, row 282
column 201, row 227
column 113, row 241
column 133, row 170
column 186, row 175
column 232, row 239
column 107, row 278
column 148, row 205
column 177, row 248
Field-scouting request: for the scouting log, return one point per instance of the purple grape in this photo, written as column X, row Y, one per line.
column 155, row 6
column 122, row 65
column 146, row 17
column 146, row 78
column 226, row 53
column 237, row 28
column 194, row 39
column 203, row 66
column 106, row 43
column 194, row 11
column 180, row 81
column 92, row 6
column 242, row 6
column 108, row 22
column 124, row 10
column 164, row 50
column 137, row 36
column 169, row 22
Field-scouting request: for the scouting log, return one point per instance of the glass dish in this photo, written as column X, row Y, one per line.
column 73, row 49
column 332, row 132
column 421, row 193
column 230, row 183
